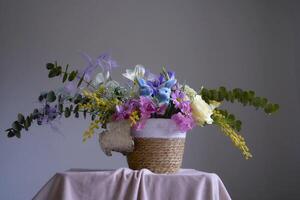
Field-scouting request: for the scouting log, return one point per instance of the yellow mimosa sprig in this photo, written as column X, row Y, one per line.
column 101, row 107
column 236, row 139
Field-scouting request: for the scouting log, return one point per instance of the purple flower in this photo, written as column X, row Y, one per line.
column 183, row 122
column 89, row 69
column 46, row 114
column 157, row 82
column 146, row 107
column 161, row 110
column 177, row 98
column 179, row 102
column 104, row 61
column 70, row 88
column 185, row 107
column 163, row 79
column 140, row 124
column 123, row 111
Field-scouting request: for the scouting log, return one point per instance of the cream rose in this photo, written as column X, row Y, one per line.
column 190, row 92
column 201, row 111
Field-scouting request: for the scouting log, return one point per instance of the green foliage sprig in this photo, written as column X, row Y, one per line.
column 247, row 98
column 48, row 98
column 56, row 70
column 65, row 105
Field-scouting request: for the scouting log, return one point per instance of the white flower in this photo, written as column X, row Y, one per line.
column 190, row 92
column 106, row 80
column 137, row 72
column 99, row 79
column 201, row 111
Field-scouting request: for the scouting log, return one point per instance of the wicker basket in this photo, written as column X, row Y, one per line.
column 158, row 153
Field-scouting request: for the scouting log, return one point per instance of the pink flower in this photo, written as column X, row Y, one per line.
column 147, row 107
column 185, row 107
column 161, row 110
column 123, row 111
column 184, row 122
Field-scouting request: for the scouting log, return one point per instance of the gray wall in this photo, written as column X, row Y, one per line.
column 249, row 44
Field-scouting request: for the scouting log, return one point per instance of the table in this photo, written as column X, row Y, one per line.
column 124, row 183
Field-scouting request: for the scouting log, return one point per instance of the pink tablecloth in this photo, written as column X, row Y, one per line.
column 124, row 183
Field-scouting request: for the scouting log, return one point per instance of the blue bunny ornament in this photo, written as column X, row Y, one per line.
column 164, row 92
column 145, row 89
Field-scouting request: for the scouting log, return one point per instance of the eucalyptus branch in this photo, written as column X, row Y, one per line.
column 247, row 98
column 24, row 122
column 56, row 70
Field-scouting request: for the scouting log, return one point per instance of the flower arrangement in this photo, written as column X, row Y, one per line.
column 93, row 92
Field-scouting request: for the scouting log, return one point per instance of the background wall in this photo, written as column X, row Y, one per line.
column 249, row 44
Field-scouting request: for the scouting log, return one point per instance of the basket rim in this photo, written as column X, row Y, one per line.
column 159, row 128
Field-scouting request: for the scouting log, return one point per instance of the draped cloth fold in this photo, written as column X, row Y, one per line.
column 127, row 184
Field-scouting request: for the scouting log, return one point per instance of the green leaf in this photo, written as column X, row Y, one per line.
column 80, row 81
column 268, row 108
column 71, row 108
column 60, row 107
column 11, row 134
column 28, row 121
column 65, row 77
column 49, row 66
column 41, row 98
column 65, row 74
column 51, row 97
column 16, row 126
column 76, row 109
column 58, row 70
column 67, row 112
column 21, row 118
column 238, row 125
column 52, row 73
column 72, row 75
column 18, row 134
column 276, row 107
column 35, row 113
column 77, row 98
column 26, row 125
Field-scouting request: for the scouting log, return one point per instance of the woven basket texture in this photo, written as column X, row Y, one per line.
column 159, row 155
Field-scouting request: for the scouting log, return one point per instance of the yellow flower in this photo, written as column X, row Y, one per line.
column 90, row 132
column 236, row 139
column 134, row 117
